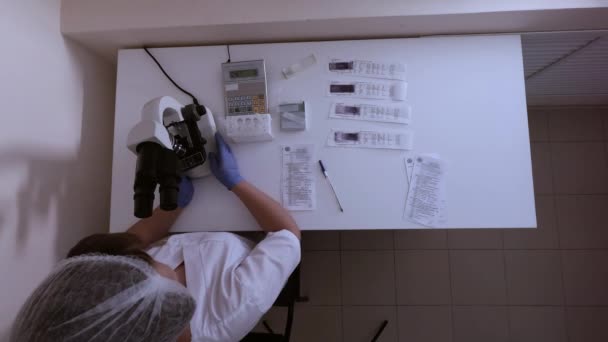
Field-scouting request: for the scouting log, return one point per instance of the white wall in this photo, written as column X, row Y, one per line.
column 140, row 14
column 57, row 109
column 108, row 25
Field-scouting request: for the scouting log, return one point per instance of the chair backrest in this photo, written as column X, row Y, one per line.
column 291, row 291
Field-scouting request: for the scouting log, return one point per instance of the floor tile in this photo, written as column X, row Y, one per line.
column 585, row 277
column 366, row 239
column 320, row 240
column 423, row 277
column 425, row 324
column 534, row 278
column 276, row 318
column 575, row 124
column 475, row 239
column 543, row 237
column 317, row 323
column 478, row 277
column 579, row 168
column 538, row 124
column 368, row 278
column 361, row 323
column 320, row 277
column 582, row 221
column 421, row 239
column 587, row 324
column 481, row 324
column 541, row 168
column 537, row 324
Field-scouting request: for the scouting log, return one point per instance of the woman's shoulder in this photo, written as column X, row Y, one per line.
column 202, row 237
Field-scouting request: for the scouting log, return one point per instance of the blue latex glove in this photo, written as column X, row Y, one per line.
column 186, row 192
column 223, row 164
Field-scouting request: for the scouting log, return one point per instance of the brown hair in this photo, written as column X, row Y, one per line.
column 125, row 244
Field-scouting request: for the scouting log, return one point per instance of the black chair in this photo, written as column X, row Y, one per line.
column 287, row 298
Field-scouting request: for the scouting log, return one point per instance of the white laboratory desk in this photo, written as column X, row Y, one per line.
column 468, row 105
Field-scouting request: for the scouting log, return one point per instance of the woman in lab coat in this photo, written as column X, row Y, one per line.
column 232, row 280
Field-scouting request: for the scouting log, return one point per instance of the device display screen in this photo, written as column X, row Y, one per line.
column 244, row 73
column 346, row 137
column 342, row 109
column 342, row 88
column 341, row 66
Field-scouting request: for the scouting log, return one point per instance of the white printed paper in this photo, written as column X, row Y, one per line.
column 426, row 197
column 379, row 90
column 362, row 68
column 409, row 169
column 410, row 161
column 393, row 113
column 399, row 140
column 297, row 177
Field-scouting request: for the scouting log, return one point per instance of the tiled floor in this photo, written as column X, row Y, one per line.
column 548, row 284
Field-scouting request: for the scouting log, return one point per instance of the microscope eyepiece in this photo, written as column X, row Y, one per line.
column 148, row 155
column 168, row 179
column 155, row 165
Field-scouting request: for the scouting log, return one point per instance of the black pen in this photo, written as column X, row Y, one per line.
column 330, row 184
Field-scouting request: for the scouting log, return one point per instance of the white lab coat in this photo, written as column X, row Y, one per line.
column 233, row 281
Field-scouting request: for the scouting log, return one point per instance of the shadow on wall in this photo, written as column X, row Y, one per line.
column 71, row 191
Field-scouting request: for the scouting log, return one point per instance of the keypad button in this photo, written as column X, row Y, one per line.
column 245, row 104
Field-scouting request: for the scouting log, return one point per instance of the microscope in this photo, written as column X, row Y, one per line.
column 169, row 141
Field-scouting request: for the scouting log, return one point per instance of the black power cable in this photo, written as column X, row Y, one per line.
column 194, row 99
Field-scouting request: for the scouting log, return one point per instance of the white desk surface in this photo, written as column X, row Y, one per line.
column 468, row 100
